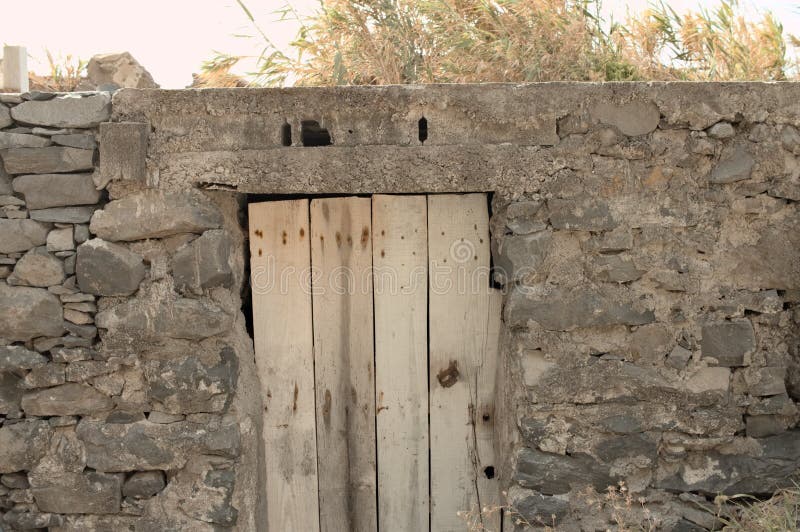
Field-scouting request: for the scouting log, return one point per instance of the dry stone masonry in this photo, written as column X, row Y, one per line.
column 646, row 237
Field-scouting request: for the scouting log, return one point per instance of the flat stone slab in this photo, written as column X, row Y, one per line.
column 65, row 111
column 155, row 214
column 65, row 400
column 21, row 235
column 28, row 312
column 19, row 140
column 53, row 159
column 107, row 269
column 56, row 190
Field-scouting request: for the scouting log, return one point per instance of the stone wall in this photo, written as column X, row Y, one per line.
column 121, row 340
column 646, row 236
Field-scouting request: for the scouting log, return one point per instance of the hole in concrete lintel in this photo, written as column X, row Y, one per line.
column 423, row 129
column 286, row 134
column 312, row 134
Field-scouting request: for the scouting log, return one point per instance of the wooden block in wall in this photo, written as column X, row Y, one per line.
column 123, row 151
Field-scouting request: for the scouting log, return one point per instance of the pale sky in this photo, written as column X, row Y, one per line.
column 172, row 37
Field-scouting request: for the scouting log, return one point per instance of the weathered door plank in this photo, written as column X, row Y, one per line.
column 341, row 256
column 458, row 250
column 400, row 258
column 279, row 254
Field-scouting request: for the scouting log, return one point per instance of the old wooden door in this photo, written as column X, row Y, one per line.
column 376, row 344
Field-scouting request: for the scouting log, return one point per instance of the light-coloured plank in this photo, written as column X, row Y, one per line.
column 341, row 255
column 400, row 258
column 280, row 261
column 458, row 251
column 15, row 69
column 488, row 487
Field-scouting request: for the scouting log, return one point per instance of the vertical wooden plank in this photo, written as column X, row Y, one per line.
column 282, row 329
column 341, row 255
column 400, row 258
column 488, row 487
column 458, row 250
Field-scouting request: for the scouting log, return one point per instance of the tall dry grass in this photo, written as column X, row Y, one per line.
column 363, row 42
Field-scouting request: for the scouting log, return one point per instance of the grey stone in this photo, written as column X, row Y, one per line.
column 627, row 447
column 102, row 523
column 81, row 233
column 144, row 484
column 737, row 166
column 156, row 416
column 678, row 357
column 16, row 481
column 632, row 118
column 709, row 379
column 120, row 69
column 123, row 151
column 203, row 263
column 27, row 312
column 5, row 182
column 65, row 111
column 38, row 268
column 17, row 357
column 721, row 130
column 187, row 385
column 44, row 376
column 521, row 255
column 555, row 474
column 790, row 139
column 155, row 214
column 106, row 269
column 190, row 319
column 615, row 269
column 10, row 393
column 60, row 239
column 143, row 446
column 580, row 214
column 65, row 400
column 212, row 503
column 75, row 140
column 728, row 341
column 762, row 382
column 38, row 96
column 64, row 215
column 20, row 140
column 770, row 465
column 78, row 493
column 5, row 117
column 74, row 354
column 32, row 520
column 23, row 444
column 21, row 235
column 84, row 370
column 535, row 508
column 773, row 404
column 53, row 159
column 56, row 190
column 764, row 425
column 563, row 310
column 11, row 200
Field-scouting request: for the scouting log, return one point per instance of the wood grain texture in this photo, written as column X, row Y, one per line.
column 279, row 253
column 341, row 255
column 400, row 258
column 458, row 250
column 487, row 468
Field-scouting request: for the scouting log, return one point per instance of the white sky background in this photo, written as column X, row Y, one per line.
column 172, row 37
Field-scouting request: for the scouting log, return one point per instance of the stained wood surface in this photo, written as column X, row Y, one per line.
column 486, row 471
column 400, row 259
column 279, row 253
column 458, row 247
column 341, row 255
